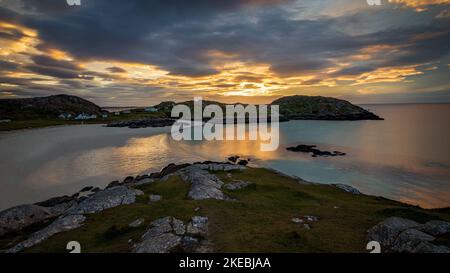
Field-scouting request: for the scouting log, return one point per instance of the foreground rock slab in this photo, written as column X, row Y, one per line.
column 60, row 225
column 168, row 234
column 397, row 234
column 16, row 218
column 108, row 198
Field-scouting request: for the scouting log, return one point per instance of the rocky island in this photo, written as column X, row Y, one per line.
column 222, row 207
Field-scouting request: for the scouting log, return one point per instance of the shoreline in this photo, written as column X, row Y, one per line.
column 190, row 194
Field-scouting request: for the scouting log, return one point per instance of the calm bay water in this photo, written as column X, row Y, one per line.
column 406, row 157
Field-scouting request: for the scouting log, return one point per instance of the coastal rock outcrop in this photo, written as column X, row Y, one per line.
column 62, row 224
column 203, row 184
column 169, row 233
column 16, row 218
column 397, row 234
column 108, row 198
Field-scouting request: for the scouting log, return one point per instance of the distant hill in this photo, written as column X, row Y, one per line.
column 321, row 108
column 300, row 107
column 45, row 107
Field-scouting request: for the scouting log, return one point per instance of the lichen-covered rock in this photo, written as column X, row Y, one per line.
column 409, row 239
column 435, row 228
column 169, row 234
column 402, row 235
column 108, row 198
column 161, row 237
column 16, row 218
column 386, row 232
column 198, row 226
column 347, row 188
column 62, row 224
column 178, row 227
column 163, row 243
column 203, row 184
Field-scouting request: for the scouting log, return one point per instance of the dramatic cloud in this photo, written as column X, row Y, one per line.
column 221, row 49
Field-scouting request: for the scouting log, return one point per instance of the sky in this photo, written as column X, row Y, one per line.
column 142, row 52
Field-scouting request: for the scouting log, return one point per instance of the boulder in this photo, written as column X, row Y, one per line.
column 113, row 184
column 427, row 247
column 435, row 228
column 403, row 235
column 60, row 225
column 409, row 239
column 106, row 199
column 386, row 232
column 16, row 218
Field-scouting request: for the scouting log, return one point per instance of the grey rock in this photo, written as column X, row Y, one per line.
column 387, row 231
column 60, row 225
column 160, row 237
column 163, row 243
column 409, row 239
column 296, row 220
column 306, row 226
column 137, row 222
column 427, row 247
column 158, row 227
column 190, row 244
column 178, row 226
column 16, row 218
column 435, row 228
column 237, row 185
column 198, row 226
column 154, row 198
column 203, row 184
column 348, row 189
column 108, row 198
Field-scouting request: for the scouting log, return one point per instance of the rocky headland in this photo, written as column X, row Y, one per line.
column 222, row 207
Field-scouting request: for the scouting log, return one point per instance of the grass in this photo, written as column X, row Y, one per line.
column 259, row 220
column 39, row 123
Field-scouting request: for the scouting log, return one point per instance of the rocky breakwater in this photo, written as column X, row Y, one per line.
column 143, row 123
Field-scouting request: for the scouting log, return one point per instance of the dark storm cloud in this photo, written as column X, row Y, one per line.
column 177, row 35
column 43, row 60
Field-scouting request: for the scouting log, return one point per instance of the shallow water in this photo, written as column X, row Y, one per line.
column 406, row 157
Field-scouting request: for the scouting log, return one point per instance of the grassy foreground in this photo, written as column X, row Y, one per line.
column 258, row 221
